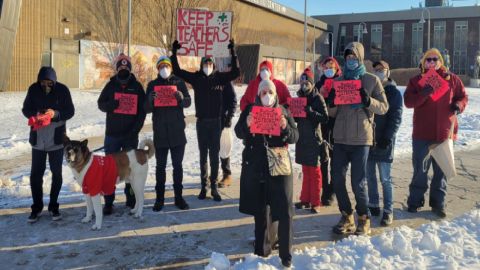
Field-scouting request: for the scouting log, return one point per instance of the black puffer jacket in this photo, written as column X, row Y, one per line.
column 255, row 172
column 309, row 146
column 168, row 122
column 122, row 125
column 208, row 89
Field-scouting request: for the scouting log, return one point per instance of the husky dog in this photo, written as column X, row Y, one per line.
column 97, row 175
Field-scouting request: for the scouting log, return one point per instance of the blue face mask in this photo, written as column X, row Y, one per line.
column 352, row 64
column 329, row 73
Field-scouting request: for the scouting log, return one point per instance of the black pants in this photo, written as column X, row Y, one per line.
column 266, row 231
column 39, row 159
column 226, row 166
column 208, row 135
column 161, row 154
column 327, row 185
column 114, row 145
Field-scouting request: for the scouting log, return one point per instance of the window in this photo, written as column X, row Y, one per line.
column 460, row 40
column 342, row 41
column 417, row 43
column 439, row 35
column 358, row 31
column 397, row 43
column 376, row 42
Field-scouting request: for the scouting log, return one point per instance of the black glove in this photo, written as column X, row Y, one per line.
column 383, row 143
column 179, row 96
column 231, row 47
column 427, row 90
column 175, row 47
column 331, row 98
column 228, row 122
column 365, row 97
column 455, row 108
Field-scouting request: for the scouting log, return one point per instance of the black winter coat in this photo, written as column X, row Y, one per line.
column 309, row 146
column 229, row 104
column 168, row 122
column 122, row 125
column 208, row 89
column 278, row 190
column 387, row 125
column 59, row 99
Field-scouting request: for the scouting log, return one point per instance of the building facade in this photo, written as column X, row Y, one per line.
column 80, row 38
column 401, row 37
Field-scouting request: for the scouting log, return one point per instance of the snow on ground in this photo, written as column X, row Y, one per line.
column 89, row 122
column 448, row 245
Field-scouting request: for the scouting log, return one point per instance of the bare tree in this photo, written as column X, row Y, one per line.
column 107, row 21
column 160, row 18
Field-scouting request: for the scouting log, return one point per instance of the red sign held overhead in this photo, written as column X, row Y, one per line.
column 128, row 103
column 347, row 92
column 296, row 106
column 203, row 32
column 439, row 85
column 165, row 96
column 265, row 120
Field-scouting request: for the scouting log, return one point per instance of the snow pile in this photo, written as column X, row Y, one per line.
column 446, row 245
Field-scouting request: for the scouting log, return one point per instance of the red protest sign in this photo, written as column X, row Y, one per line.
column 128, row 103
column 265, row 120
column 439, row 85
column 327, row 86
column 296, row 106
column 347, row 92
column 165, row 96
column 203, row 32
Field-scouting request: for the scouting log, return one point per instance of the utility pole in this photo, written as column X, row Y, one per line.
column 129, row 26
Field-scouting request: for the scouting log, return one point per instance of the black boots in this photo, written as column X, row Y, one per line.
column 130, row 196
column 213, row 192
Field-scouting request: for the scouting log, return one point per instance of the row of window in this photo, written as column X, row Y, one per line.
column 459, row 56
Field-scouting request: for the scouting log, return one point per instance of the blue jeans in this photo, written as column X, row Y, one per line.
column 384, row 169
column 114, row 145
column 419, row 184
column 357, row 156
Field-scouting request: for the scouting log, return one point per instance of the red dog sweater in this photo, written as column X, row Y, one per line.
column 101, row 176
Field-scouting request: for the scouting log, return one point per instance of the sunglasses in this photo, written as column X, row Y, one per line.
column 431, row 59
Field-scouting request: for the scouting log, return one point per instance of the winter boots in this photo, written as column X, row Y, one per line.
column 213, row 192
column 363, row 227
column 226, row 181
column 345, row 225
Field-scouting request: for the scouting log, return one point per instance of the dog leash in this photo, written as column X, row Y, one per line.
column 99, row 149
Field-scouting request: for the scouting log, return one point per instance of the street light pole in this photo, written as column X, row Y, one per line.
column 313, row 61
column 422, row 20
column 305, row 36
column 364, row 31
column 129, row 26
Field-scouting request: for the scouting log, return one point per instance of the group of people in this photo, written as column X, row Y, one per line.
column 329, row 139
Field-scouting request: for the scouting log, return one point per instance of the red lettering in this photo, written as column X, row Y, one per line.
column 226, row 34
column 209, row 16
column 181, row 16
column 201, row 19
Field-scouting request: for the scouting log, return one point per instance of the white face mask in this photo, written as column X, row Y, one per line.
column 265, row 74
column 207, row 70
column 381, row 75
column 268, row 100
column 165, row 72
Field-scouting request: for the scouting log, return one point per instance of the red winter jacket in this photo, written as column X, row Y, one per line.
column 432, row 120
column 101, row 176
column 252, row 89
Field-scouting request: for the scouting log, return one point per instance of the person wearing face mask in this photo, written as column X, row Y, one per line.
column 265, row 73
column 122, row 129
column 309, row 145
column 50, row 97
column 208, row 85
column 432, row 123
column 168, row 132
column 331, row 70
column 353, row 134
column 381, row 155
column 258, row 189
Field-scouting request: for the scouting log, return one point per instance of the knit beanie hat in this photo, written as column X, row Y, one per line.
column 164, row 60
column 307, row 75
column 266, row 84
column 123, row 61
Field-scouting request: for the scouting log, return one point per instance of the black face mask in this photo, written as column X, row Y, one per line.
column 123, row 74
